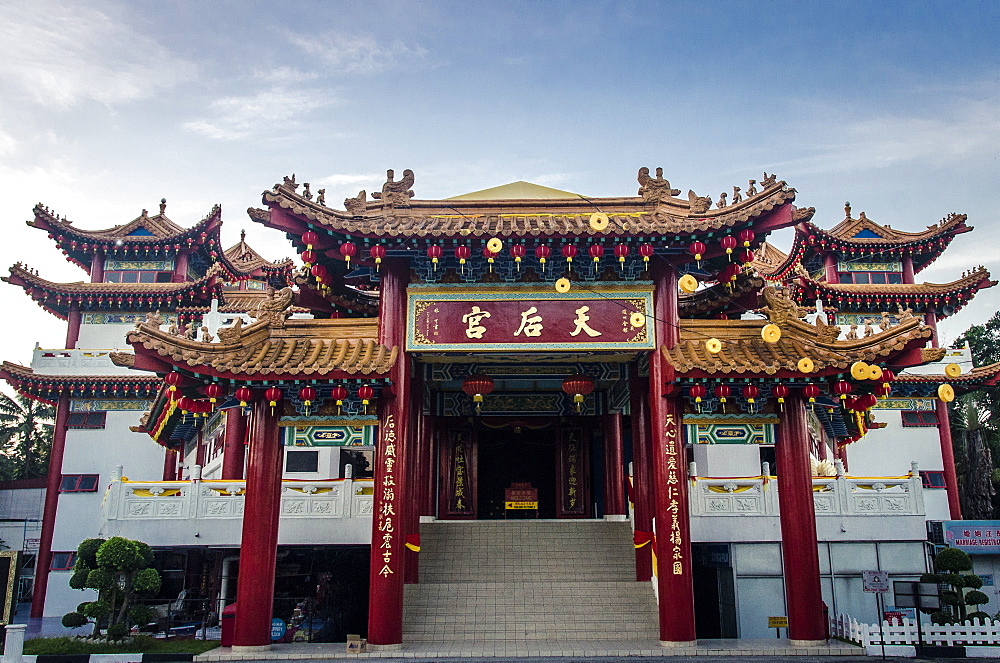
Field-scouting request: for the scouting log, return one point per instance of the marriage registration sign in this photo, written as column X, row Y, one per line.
column 529, row 319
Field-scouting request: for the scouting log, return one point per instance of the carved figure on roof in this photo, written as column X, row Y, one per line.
column 191, row 333
column 852, row 335
column 736, row 195
column 321, row 197
column 206, row 337
column 154, row 319
column 698, row 203
column 904, row 313
column 396, row 194
column 357, row 206
column 826, row 333
column 780, row 305
column 869, row 330
column 173, row 329
column 163, row 206
column 231, row 334
column 274, row 310
column 885, row 322
column 768, row 180
column 306, row 193
column 722, row 200
column 847, row 210
column 655, row 190
column 751, row 189
column 289, row 182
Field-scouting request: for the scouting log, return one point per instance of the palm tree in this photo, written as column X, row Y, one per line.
column 25, row 437
column 974, row 432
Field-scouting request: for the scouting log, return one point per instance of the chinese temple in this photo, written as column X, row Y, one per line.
column 518, row 359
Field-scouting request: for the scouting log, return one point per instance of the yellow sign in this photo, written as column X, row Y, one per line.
column 777, row 622
column 520, row 505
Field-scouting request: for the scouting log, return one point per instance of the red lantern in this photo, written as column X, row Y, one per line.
column 750, row 392
column 490, row 257
column 365, row 393
column 843, row 388
column 377, row 252
column 477, row 386
column 244, row 394
column 434, row 252
column 569, row 252
column 185, row 403
column 348, row 250
column 307, row 395
column 811, row 392
column 646, row 250
column 339, row 394
column 746, row 256
column 542, row 252
column 462, row 253
column 869, row 401
column 518, row 251
column 273, row 395
column 621, row 252
column 883, row 390
column 728, row 243
column 308, row 257
column 213, row 391
column 578, row 386
column 319, row 271
column 722, row 392
column 746, row 236
column 780, row 392
column 697, row 249
column 310, row 238
column 173, row 379
column 596, row 252
column 697, row 392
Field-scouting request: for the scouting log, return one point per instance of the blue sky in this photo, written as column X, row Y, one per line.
column 107, row 107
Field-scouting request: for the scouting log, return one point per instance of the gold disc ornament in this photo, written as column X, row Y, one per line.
column 688, row 283
column 713, row 345
column 637, row 319
column 860, row 370
column 806, row 365
column 562, row 285
column 953, row 370
column 874, row 372
column 946, row 393
column 598, row 221
column 495, row 245
column 771, row 333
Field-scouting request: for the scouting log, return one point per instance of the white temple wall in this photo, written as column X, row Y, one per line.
column 888, row 451
column 727, row 460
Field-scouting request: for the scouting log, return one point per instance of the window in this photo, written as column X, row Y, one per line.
column 137, row 276
column 302, row 461
column 86, row 420
column 871, row 277
column 62, row 561
column 79, row 483
column 932, row 478
column 921, row 419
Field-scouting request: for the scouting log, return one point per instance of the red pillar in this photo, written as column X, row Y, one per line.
column 199, row 454
column 642, row 480
column 427, row 463
column 259, row 544
column 97, row 267
column 169, row 465
column 73, row 328
column 670, row 477
column 614, row 482
column 233, row 444
column 830, row 268
column 803, row 596
column 948, row 459
column 907, row 269
column 181, row 268
column 54, row 478
column 385, row 600
column 412, row 557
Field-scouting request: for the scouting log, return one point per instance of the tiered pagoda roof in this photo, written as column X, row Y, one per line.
column 57, row 298
column 242, row 263
column 48, row 388
column 864, row 237
column 146, row 236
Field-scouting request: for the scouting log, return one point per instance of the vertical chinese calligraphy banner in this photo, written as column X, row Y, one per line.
column 574, row 475
column 458, row 471
column 536, row 319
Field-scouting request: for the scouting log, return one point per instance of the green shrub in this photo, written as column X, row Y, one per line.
column 96, row 609
column 953, row 559
column 100, row 579
column 74, row 620
column 973, row 582
column 119, row 553
column 949, row 597
column 979, row 614
column 146, row 581
column 79, row 578
column 976, row 598
column 117, row 631
column 86, row 553
column 137, row 645
column 140, row 615
column 930, row 577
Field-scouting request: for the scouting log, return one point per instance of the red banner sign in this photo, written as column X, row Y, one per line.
column 532, row 320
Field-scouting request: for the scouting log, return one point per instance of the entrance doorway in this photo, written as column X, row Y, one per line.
column 506, row 457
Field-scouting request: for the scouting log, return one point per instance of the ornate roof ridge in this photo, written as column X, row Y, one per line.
column 162, row 227
column 31, row 277
column 978, row 278
column 244, row 260
column 47, row 387
column 718, row 295
column 987, row 375
column 395, row 212
column 845, row 231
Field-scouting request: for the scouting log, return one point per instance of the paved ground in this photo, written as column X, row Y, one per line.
column 667, row 659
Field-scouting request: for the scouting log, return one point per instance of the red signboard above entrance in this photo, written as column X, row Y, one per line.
column 529, row 319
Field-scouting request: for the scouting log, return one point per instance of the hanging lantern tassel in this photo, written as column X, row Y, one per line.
column 579, row 386
column 339, row 394
column 722, row 392
column 365, row 393
column 750, row 392
column 780, row 392
column 811, row 392
column 698, row 392
column 477, row 386
column 518, row 252
column 308, row 395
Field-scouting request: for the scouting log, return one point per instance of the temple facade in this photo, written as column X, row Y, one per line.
column 644, row 376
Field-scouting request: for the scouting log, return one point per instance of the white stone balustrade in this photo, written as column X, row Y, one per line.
column 75, row 362
column 200, row 512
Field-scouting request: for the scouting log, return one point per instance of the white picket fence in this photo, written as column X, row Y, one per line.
column 971, row 633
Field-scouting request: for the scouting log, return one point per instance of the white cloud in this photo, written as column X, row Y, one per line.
column 62, row 54
column 284, row 75
column 267, row 111
column 7, row 144
column 355, row 54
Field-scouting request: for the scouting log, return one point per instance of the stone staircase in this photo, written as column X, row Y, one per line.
column 524, row 580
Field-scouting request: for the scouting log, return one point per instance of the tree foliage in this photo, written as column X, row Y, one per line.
column 950, row 564
column 25, row 437
column 120, row 570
